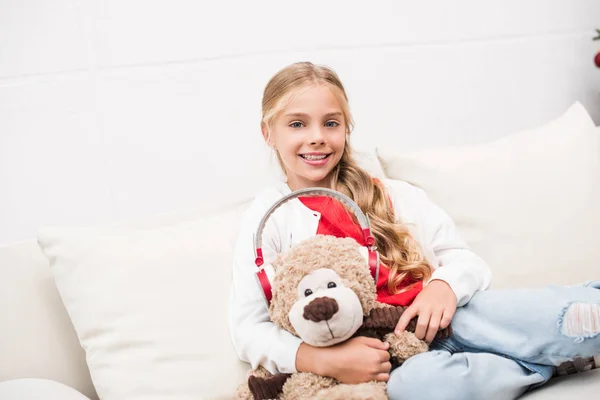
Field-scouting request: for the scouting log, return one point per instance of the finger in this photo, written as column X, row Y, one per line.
column 385, row 367
column 382, row 377
column 375, row 343
column 447, row 318
column 405, row 318
column 422, row 324
column 434, row 326
column 384, row 356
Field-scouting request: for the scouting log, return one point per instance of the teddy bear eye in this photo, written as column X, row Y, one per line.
column 308, row 292
column 331, row 285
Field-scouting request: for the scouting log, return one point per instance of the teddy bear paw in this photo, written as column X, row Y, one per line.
column 405, row 345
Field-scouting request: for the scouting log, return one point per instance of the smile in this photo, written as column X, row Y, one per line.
column 314, row 156
column 315, row 159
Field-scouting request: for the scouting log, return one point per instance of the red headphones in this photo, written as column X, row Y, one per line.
column 347, row 201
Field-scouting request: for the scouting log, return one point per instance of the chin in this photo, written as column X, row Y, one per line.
column 317, row 179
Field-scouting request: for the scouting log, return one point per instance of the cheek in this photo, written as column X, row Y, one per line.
column 340, row 141
column 295, row 316
column 287, row 143
column 286, row 150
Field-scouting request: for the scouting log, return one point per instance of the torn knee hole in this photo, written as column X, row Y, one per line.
column 581, row 320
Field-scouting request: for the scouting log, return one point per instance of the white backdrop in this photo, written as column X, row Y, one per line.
column 114, row 109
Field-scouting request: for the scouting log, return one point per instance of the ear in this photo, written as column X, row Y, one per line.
column 266, row 134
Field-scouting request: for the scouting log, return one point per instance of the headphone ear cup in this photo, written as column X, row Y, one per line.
column 264, row 277
column 265, row 286
column 374, row 263
column 372, row 259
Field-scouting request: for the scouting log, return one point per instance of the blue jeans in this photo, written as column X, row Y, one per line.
column 504, row 343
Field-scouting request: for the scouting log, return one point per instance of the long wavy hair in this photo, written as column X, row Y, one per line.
column 397, row 248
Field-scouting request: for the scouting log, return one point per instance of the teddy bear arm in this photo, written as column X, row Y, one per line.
column 367, row 332
column 386, row 318
column 383, row 317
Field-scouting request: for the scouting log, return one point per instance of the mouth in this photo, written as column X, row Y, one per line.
column 315, row 159
column 347, row 332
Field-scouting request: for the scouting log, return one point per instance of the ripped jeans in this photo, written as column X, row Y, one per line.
column 504, row 343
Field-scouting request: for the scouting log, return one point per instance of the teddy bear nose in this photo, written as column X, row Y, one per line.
column 320, row 309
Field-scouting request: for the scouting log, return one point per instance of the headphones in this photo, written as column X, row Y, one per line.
column 373, row 255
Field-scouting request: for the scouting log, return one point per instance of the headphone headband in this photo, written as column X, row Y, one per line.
column 373, row 256
column 363, row 220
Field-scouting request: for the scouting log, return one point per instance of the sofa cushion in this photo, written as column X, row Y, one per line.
column 527, row 203
column 584, row 385
column 27, row 388
column 149, row 304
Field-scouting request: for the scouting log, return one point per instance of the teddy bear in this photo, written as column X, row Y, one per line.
column 323, row 292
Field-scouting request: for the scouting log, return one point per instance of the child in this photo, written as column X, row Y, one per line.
column 504, row 342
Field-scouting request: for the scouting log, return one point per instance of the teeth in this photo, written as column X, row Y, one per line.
column 311, row 157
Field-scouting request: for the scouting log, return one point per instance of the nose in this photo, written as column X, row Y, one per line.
column 320, row 309
column 317, row 137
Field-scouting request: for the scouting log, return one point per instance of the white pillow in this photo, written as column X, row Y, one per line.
column 149, row 304
column 528, row 203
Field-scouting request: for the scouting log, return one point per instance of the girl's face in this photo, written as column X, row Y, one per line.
column 310, row 136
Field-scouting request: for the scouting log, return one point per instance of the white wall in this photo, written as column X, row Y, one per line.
column 113, row 109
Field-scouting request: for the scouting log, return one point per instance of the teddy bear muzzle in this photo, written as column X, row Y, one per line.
column 321, row 309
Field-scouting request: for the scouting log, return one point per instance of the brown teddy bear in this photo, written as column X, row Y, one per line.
column 323, row 292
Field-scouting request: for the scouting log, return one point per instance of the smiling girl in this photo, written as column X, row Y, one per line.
column 499, row 348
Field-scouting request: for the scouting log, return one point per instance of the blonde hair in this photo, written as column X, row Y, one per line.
column 397, row 248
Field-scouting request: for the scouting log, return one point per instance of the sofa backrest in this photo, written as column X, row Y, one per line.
column 37, row 339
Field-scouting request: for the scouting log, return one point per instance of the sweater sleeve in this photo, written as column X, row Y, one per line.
column 255, row 338
column 458, row 265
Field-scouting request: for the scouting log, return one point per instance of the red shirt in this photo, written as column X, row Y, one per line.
column 336, row 221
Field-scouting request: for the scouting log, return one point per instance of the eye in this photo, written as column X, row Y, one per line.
column 331, row 285
column 332, row 124
column 307, row 292
column 296, row 124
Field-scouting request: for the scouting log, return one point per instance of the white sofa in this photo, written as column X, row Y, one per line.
column 146, row 299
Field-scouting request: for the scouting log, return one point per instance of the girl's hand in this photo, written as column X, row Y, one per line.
column 435, row 306
column 357, row 360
